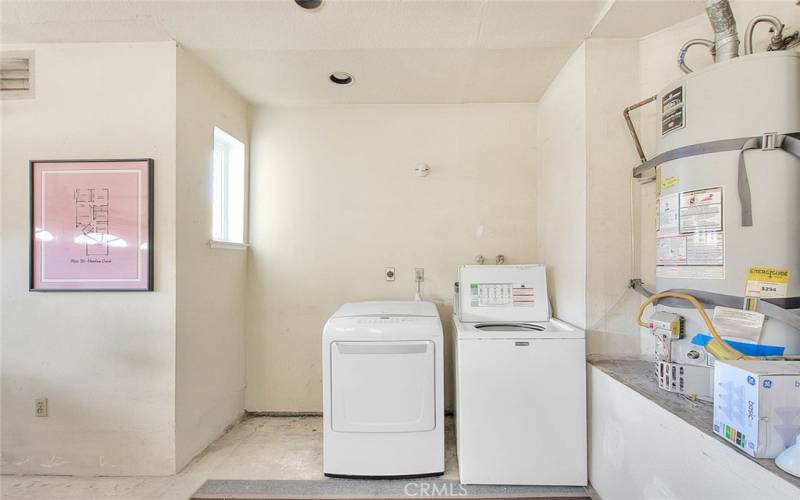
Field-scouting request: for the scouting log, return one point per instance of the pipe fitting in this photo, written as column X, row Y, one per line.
column 776, row 42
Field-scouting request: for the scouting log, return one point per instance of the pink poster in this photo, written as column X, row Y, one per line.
column 91, row 225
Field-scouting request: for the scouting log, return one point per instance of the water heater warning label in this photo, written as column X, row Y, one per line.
column 673, row 113
column 701, row 210
column 690, row 239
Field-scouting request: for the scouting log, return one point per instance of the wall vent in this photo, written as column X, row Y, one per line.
column 16, row 75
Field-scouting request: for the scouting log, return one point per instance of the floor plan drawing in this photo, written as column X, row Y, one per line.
column 91, row 217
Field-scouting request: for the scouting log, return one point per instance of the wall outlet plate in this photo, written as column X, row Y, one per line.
column 40, row 406
column 389, row 274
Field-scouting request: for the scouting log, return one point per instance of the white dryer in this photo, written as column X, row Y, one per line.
column 383, row 391
column 520, row 380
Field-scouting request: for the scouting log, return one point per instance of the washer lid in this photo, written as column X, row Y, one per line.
column 510, row 293
column 388, row 309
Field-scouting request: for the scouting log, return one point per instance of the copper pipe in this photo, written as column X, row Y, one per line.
column 627, row 115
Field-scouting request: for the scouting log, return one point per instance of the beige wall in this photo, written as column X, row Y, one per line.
column 612, row 83
column 138, row 383
column 105, row 361
column 584, row 198
column 561, row 189
column 335, row 200
column 211, row 282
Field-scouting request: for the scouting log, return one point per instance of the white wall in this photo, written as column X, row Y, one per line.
column 612, row 83
column 585, row 192
column 335, row 200
column 105, row 361
column 639, row 450
column 210, row 367
column 561, row 189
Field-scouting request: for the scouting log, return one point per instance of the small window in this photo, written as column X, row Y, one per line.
column 229, row 189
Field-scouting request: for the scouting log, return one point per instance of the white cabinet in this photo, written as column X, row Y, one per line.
column 522, row 411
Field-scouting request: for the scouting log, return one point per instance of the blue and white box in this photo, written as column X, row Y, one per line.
column 757, row 404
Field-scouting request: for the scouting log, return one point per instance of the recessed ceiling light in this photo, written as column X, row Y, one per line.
column 341, row 78
column 309, row 4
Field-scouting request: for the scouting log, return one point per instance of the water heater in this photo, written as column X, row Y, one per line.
column 710, row 236
column 727, row 173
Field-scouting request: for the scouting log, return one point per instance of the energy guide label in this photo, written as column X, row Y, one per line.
column 501, row 295
column 767, row 282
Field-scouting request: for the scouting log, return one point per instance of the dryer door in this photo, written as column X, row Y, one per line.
column 383, row 386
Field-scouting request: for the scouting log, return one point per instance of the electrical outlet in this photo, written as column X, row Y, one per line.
column 419, row 274
column 41, row 407
column 389, row 273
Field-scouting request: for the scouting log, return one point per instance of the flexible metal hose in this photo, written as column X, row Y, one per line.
column 726, row 39
column 777, row 27
column 685, row 48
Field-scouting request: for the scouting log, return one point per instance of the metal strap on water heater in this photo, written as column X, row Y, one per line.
column 783, row 310
column 788, row 142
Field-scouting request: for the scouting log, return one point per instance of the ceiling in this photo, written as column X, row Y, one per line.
column 399, row 51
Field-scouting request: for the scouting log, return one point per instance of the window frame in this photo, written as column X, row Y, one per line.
column 229, row 142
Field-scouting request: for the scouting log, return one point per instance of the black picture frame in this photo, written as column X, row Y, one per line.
column 150, row 227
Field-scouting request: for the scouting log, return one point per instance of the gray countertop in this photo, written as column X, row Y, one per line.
column 639, row 375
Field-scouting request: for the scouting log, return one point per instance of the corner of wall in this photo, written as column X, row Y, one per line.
column 612, row 83
column 210, row 282
column 561, row 196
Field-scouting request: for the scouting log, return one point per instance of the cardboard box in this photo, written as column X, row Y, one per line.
column 757, row 405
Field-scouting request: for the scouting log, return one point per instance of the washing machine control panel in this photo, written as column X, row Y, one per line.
column 503, row 293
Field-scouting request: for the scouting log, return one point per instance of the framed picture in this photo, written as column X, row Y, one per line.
column 91, row 225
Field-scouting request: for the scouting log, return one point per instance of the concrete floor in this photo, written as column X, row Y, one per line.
column 257, row 448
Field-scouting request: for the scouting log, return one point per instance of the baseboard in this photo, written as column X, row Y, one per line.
column 251, row 414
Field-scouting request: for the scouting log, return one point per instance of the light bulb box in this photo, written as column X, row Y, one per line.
column 757, row 404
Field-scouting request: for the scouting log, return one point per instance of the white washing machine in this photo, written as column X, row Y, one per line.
column 520, row 380
column 383, row 391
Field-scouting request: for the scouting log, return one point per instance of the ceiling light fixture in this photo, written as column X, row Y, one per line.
column 341, row 78
column 309, row 4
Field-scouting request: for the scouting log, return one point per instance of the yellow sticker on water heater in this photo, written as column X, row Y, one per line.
column 669, row 182
column 767, row 282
